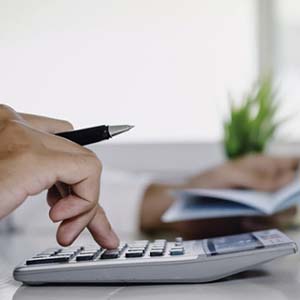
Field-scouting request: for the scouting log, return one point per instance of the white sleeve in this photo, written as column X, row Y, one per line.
column 121, row 196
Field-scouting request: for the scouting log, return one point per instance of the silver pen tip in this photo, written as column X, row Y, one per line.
column 118, row 129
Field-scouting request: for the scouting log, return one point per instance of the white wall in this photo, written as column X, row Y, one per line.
column 165, row 66
column 287, row 62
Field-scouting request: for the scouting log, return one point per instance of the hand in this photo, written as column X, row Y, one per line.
column 32, row 160
column 258, row 172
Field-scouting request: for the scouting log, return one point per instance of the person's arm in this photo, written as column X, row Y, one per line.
column 258, row 172
column 33, row 160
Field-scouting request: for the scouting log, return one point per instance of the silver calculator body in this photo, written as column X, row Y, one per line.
column 156, row 262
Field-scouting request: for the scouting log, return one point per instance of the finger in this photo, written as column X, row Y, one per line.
column 101, row 230
column 85, row 181
column 83, row 175
column 70, row 229
column 69, row 207
column 98, row 225
column 251, row 180
column 267, row 165
column 273, row 164
column 286, row 163
column 47, row 124
column 82, row 172
column 283, row 179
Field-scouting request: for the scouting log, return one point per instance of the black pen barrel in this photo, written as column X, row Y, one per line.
column 87, row 136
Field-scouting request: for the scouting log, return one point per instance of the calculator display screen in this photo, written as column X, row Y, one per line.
column 234, row 243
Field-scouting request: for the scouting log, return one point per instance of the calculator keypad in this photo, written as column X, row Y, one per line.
column 136, row 249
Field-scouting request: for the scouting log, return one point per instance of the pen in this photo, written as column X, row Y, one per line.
column 93, row 135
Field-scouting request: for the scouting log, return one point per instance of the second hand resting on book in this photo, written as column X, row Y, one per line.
column 258, row 172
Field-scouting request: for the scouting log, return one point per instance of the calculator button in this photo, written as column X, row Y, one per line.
column 160, row 241
column 157, row 247
column 144, row 242
column 136, row 249
column 88, row 252
column 85, row 257
column 177, row 251
column 122, row 247
column 109, row 254
column 90, row 249
column 69, row 250
column 65, row 254
column 40, row 256
column 47, row 260
column 50, row 252
column 137, row 245
column 156, row 252
column 159, row 244
column 178, row 241
column 134, row 254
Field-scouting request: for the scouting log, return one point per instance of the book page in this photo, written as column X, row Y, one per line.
column 288, row 194
column 262, row 201
column 195, row 209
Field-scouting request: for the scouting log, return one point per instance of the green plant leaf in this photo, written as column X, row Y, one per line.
column 252, row 124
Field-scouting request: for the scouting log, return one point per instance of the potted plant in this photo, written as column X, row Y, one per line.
column 252, row 124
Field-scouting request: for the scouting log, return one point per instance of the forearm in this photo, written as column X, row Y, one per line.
column 158, row 198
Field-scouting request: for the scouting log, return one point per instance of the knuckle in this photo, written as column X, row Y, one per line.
column 19, row 143
column 95, row 161
column 67, row 125
column 89, row 152
column 13, row 129
column 98, row 164
column 101, row 211
column 7, row 113
column 4, row 108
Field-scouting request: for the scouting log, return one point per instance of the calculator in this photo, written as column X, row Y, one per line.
column 158, row 261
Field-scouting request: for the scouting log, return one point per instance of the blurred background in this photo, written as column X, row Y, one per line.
column 166, row 66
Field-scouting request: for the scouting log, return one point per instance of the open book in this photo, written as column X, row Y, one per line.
column 218, row 203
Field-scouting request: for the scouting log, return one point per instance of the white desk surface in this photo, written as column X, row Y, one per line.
column 279, row 279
